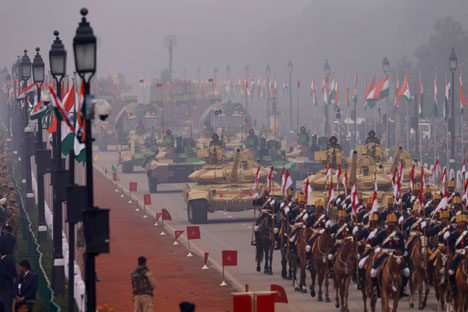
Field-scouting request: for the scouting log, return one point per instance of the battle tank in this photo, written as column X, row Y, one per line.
column 141, row 148
column 172, row 165
column 401, row 157
column 221, row 184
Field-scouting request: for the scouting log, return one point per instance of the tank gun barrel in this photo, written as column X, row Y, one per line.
column 235, row 165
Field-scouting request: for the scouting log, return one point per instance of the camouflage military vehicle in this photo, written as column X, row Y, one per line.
column 140, row 150
column 173, row 165
column 105, row 135
column 221, row 184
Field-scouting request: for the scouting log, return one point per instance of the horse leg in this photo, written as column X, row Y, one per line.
column 419, row 280
column 346, row 292
column 427, row 288
column 303, row 278
column 396, row 297
column 337, row 290
column 327, row 297
column 411, row 286
column 270, row 263
column 384, row 300
column 312, row 281
column 265, row 265
column 320, row 277
column 364, row 294
column 284, row 262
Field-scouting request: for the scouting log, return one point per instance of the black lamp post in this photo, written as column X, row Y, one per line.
column 42, row 154
column 453, row 67
column 268, row 72
column 290, row 71
column 386, row 70
column 25, row 75
column 95, row 220
column 7, row 81
column 326, row 70
column 58, row 67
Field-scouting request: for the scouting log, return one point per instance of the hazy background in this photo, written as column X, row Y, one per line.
column 351, row 34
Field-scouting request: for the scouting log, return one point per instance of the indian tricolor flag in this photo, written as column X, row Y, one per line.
column 79, row 137
column 397, row 98
column 313, row 94
column 380, row 91
column 22, row 94
column 68, row 132
column 324, row 90
column 434, row 107
column 421, row 96
column 446, row 97
column 332, row 91
column 38, row 110
column 347, row 91
column 404, row 91
column 355, row 93
column 462, row 94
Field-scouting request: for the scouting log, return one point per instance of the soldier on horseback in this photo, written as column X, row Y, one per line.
column 437, row 230
column 338, row 231
column 414, row 225
column 458, row 240
column 318, row 222
column 299, row 215
column 386, row 243
column 365, row 238
column 267, row 204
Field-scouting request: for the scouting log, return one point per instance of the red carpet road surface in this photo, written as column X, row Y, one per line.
column 178, row 278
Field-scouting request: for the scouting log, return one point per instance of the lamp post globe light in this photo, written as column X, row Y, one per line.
column 326, row 70
column 38, row 68
column 453, row 60
column 290, row 71
column 386, row 65
column 25, row 67
column 95, row 220
column 58, row 68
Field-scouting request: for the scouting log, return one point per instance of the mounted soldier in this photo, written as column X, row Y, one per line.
column 338, row 231
column 435, row 232
column 266, row 204
column 386, row 243
column 365, row 238
column 318, row 223
column 299, row 215
column 458, row 241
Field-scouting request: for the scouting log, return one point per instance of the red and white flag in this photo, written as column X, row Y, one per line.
column 288, row 182
column 282, row 178
column 338, row 176
column 331, row 194
column 354, row 198
column 376, row 187
column 442, row 205
column 345, row 182
column 306, row 190
column 397, row 98
column 329, row 173
column 257, row 177
column 443, row 181
column 435, row 169
column 270, row 175
column 22, row 94
column 404, row 91
column 375, row 205
column 423, row 185
column 411, row 176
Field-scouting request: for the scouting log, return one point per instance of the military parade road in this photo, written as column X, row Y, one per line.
column 231, row 231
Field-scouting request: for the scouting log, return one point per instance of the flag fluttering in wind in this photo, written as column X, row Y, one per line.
column 331, row 194
column 328, row 174
column 270, row 175
column 378, row 92
column 404, row 91
column 443, row 180
column 288, row 182
column 313, row 94
column 442, row 205
column 324, row 90
column 257, row 177
column 397, row 97
column 347, row 91
column 345, row 182
column 355, row 95
column 375, row 205
column 463, row 100
column 446, row 97
column 411, row 175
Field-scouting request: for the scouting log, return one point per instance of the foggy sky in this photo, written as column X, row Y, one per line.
column 353, row 35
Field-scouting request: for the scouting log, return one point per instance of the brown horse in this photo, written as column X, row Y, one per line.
column 417, row 263
column 343, row 268
column 264, row 245
column 298, row 257
column 461, row 304
column 439, row 277
column 367, row 286
column 390, row 280
column 286, row 270
column 319, row 266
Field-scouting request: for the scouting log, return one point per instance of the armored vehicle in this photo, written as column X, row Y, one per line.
column 140, row 149
column 221, row 184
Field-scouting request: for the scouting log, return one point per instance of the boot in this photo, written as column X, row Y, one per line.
column 453, row 283
column 277, row 242
column 430, row 271
column 330, row 268
column 376, row 288
column 404, row 281
column 361, row 279
column 254, row 242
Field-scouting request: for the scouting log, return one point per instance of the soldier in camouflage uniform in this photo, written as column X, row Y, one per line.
column 143, row 285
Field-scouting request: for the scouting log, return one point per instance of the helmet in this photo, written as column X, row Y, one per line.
column 456, row 200
column 461, row 218
column 443, row 214
column 369, row 200
column 417, row 187
column 168, row 131
column 374, row 217
column 319, row 203
column 428, row 190
column 303, row 129
column 436, row 195
column 251, row 131
column 391, row 218
column 215, row 136
column 342, row 214
column 289, row 192
column 371, row 133
column 451, row 183
column 333, row 138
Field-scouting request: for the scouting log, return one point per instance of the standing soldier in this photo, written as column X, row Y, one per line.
column 143, row 285
column 251, row 142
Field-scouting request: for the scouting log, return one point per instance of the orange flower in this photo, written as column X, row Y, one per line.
column 99, row 308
